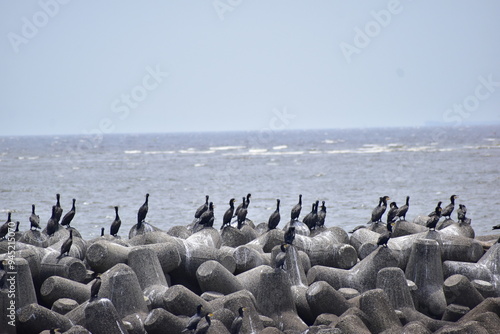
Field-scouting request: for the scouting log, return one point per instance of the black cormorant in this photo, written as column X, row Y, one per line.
column 242, row 214
column 68, row 217
column 52, row 224
column 379, row 210
column 461, row 212
column 115, row 225
column 94, row 289
column 393, row 211
column 434, row 219
column 194, row 320
column 279, row 262
column 295, row 213
column 244, row 203
column 238, row 321
column 34, row 218
column 143, row 211
column 496, row 227
column 3, row 273
column 59, row 210
column 17, row 227
column 275, row 217
column 4, row 229
column 290, row 235
column 207, row 218
column 433, row 213
column 202, row 208
column 102, row 231
column 322, row 214
column 450, row 207
column 384, row 238
column 309, row 218
column 226, row 219
column 66, row 246
column 205, row 327
column 403, row 209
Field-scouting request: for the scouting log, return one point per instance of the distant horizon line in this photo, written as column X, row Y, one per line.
column 428, row 124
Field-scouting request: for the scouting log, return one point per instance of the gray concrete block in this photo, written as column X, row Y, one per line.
column 459, row 290
column 179, row 300
column 55, row 287
column 213, row 276
column 393, row 281
column 102, row 318
column 352, row 324
column 381, row 315
column 64, row 305
column 323, row 298
column 34, row 318
column 425, row 269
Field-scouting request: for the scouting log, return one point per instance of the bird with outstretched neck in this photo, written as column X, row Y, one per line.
column 295, row 213
column 226, row 219
column 34, row 219
column 68, row 217
column 52, row 224
column 238, row 321
column 242, row 214
column 275, row 217
column 401, row 214
column 143, row 211
column 321, row 215
column 448, row 210
column 244, row 203
column 194, row 320
column 202, row 208
column 393, row 211
column 66, row 246
column 379, row 210
column 59, row 209
column 115, row 225
column 434, row 219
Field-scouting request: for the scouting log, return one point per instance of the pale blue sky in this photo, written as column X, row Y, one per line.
column 163, row 66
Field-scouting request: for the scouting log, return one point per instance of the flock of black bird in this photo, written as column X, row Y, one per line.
column 204, row 216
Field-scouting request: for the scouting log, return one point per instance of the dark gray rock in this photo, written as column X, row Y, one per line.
column 393, row 281
column 102, row 318
column 381, row 315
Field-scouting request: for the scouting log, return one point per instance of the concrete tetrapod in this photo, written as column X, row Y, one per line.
column 459, row 290
column 425, row 269
column 362, row 277
column 393, row 282
column 102, row 318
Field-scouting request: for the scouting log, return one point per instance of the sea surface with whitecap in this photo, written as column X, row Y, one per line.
column 349, row 169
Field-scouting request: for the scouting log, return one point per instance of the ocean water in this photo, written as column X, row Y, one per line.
column 349, row 169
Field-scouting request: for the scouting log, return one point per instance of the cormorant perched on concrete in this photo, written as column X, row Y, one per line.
column 433, row 213
column 379, row 210
column 94, row 289
column 281, row 257
column 34, row 218
column 102, row 231
column 403, row 209
column 205, row 327
column 194, row 320
column 433, row 220
column 238, row 321
column 496, row 227
column 244, row 203
column 461, row 212
column 17, row 227
column 143, row 211
column 115, row 225
column 226, row 219
column 4, row 229
column 393, row 211
column 207, row 218
column 309, row 219
column 242, row 214
column 322, row 215
column 295, row 213
column 68, row 217
column 59, row 210
column 202, row 208
column 52, row 223
column 384, row 238
column 290, row 235
column 446, row 212
column 66, row 246
column 275, row 217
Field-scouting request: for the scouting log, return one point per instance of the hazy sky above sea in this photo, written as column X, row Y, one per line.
column 75, row 67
